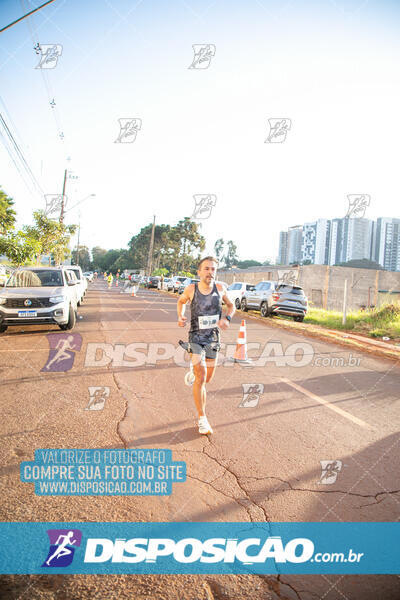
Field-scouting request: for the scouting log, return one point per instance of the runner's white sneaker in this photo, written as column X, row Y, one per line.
column 204, row 426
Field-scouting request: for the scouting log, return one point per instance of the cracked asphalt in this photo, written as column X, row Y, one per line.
column 263, row 463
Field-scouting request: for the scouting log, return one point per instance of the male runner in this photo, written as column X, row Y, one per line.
column 204, row 335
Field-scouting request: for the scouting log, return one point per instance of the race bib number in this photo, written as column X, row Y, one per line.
column 207, row 321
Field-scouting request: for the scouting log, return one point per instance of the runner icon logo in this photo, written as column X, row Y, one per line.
column 98, row 397
column 357, row 205
column 203, row 54
column 203, row 205
column 54, row 203
column 62, row 547
column 330, row 470
column 278, row 129
column 49, row 54
column 251, row 394
column 62, row 351
column 128, row 129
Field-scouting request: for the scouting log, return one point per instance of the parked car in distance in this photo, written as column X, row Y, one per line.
column 153, row 282
column 177, row 281
column 289, row 300
column 187, row 282
column 82, row 282
column 165, row 282
column 259, row 298
column 236, row 290
column 89, row 275
column 39, row 296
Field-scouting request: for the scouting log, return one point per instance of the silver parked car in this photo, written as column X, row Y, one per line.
column 289, row 300
column 39, row 296
column 259, row 298
column 236, row 292
column 177, row 282
column 82, row 285
column 187, row 282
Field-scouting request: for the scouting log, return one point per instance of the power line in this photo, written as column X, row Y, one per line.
column 24, row 16
column 17, row 166
column 49, row 91
column 20, row 155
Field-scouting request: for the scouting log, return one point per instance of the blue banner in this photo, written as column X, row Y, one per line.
column 200, row 548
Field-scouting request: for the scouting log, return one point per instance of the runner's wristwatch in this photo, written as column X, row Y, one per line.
column 228, row 318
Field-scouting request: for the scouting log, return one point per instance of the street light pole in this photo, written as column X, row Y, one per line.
column 63, row 196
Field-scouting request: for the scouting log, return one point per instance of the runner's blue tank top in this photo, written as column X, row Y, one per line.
column 205, row 311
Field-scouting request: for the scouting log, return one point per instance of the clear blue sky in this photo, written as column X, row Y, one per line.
column 329, row 66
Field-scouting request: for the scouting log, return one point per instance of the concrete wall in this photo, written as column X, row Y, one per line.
column 324, row 285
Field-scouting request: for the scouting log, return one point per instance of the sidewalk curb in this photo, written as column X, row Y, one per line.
column 376, row 348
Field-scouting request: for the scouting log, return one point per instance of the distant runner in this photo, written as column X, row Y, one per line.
column 110, row 279
column 204, row 335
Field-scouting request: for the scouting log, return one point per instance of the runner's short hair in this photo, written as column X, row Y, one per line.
column 207, row 258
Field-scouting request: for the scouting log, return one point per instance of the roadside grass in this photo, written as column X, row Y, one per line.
column 379, row 322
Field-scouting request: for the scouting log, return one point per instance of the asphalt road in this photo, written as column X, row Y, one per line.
column 263, row 462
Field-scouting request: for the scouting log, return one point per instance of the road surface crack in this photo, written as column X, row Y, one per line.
column 240, row 486
column 346, row 493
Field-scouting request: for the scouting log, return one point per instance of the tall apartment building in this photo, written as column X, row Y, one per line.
column 386, row 243
column 283, row 248
column 295, row 239
column 315, row 242
column 334, row 241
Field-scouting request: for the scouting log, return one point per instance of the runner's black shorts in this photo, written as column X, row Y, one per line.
column 207, row 343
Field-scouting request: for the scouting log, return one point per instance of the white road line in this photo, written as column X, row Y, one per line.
column 163, row 310
column 328, row 404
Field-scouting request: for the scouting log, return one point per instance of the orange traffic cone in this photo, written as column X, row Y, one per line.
column 240, row 355
column 133, row 290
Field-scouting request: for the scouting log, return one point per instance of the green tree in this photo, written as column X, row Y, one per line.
column 187, row 232
column 98, row 255
column 160, row 272
column 362, row 263
column 245, row 264
column 231, row 254
column 7, row 213
column 54, row 237
column 81, row 257
column 123, row 262
column 19, row 248
column 219, row 248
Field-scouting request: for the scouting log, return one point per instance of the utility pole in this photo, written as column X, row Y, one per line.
column 63, row 197
column 150, row 259
column 79, row 235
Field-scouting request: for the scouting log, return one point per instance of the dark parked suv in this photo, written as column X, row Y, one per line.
column 153, row 282
column 289, row 300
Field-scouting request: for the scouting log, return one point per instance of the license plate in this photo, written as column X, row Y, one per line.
column 27, row 313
